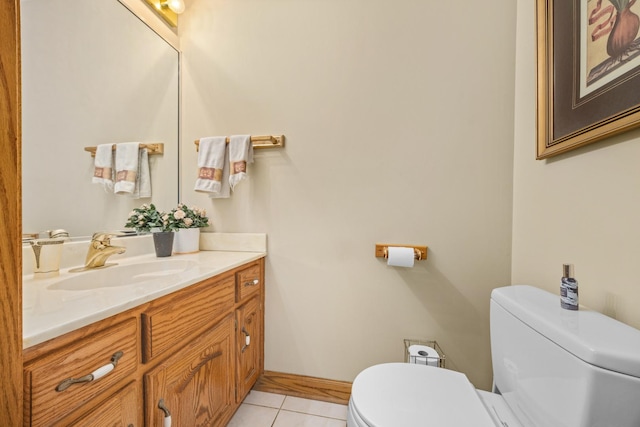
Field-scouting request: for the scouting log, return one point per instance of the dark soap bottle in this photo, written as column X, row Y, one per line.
column 568, row 288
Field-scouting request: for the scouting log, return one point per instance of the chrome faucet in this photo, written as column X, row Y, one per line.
column 99, row 250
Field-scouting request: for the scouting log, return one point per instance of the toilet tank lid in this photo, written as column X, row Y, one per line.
column 591, row 336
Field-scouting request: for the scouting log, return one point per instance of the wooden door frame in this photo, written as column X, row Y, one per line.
column 11, row 389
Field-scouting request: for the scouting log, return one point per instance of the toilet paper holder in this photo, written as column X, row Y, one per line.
column 419, row 251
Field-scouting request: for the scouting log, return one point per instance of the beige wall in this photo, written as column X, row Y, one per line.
column 399, row 124
column 581, row 207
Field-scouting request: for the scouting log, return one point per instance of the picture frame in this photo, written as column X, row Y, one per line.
column 588, row 81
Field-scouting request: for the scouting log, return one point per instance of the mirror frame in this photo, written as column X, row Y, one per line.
column 11, row 228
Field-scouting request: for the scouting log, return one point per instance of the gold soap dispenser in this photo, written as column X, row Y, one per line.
column 47, row 252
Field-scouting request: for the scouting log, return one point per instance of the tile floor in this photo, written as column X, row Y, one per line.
column 261, row 409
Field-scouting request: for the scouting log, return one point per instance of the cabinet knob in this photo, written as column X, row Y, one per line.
column 95, row 375
column 167, row 415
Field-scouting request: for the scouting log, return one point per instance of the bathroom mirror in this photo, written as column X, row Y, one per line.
column 92, row 73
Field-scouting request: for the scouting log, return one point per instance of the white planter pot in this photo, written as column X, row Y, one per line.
column 186, row 241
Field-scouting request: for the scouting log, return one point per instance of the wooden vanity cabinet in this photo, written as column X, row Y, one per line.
column 188, row 351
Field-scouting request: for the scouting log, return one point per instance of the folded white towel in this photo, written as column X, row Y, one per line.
column 103, row 170
column 240, row 153
column 211, row 164
column 143, row 179
column 126, row 167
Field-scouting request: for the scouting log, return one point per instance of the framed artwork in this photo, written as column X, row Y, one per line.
column 588, row 72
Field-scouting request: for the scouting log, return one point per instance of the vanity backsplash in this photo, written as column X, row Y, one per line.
column 75, row 252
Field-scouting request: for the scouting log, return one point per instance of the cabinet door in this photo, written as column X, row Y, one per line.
column 248, row 344
column 119, row 409
column 194, row 384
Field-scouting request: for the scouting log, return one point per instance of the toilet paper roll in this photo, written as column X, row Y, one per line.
column 400, row 256
column 423, row 355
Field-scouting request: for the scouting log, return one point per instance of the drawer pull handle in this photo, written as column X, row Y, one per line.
column 254, row 282
column 95, row 375
column 247, row 340
column 167, row 415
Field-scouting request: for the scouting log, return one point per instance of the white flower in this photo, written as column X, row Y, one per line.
column 179, row 214
column 188, row 222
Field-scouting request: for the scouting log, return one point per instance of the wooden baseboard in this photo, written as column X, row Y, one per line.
column 306, row 387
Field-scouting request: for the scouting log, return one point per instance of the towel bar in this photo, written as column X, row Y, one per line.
column 152, row 148
column 263, row 141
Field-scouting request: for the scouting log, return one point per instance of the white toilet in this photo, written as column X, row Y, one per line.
column 552, row 368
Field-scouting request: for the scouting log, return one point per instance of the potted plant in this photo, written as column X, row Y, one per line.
column 147, row 219
column 188, row 222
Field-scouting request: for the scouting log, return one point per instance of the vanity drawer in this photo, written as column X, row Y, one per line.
column 171, row 320
column 248, row 282
column 61, row 382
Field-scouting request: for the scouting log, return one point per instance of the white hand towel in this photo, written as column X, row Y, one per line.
column 143, row 179
column 103, row 170
column 225, row 191
column 126, row 167
column 211, row 164
column 240, row 153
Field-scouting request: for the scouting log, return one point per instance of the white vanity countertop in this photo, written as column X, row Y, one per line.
column 49, row 313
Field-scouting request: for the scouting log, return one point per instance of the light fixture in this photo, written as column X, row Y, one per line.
column 168, row 10
column 177, row 6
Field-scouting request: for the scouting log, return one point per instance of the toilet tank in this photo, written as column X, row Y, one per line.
column 561, row 368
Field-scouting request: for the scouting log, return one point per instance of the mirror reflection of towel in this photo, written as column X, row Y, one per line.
column 103, row 166
column 240, row 153
column 126, row 167
column 143, row 181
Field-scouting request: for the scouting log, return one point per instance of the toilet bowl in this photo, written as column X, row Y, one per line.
column 404, row 394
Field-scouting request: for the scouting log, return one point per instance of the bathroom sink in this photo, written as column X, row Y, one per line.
column 123, row 275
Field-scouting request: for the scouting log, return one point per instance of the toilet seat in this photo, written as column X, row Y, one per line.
column 399, row 395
